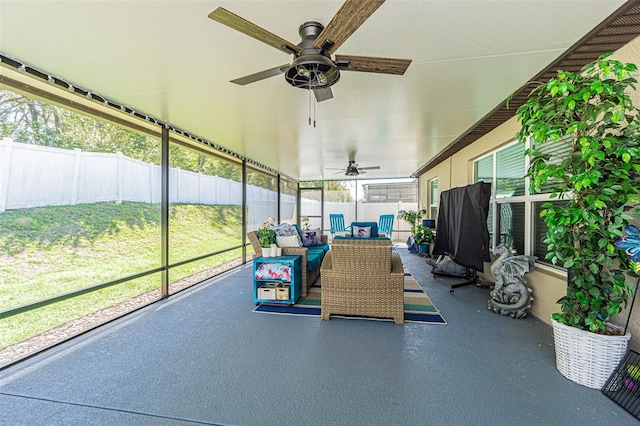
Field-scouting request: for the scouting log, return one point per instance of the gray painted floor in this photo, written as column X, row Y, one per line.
column 202, row 357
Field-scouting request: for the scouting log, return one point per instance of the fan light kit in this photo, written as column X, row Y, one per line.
column 312, row 67
column 311, row 72
column 353, row 169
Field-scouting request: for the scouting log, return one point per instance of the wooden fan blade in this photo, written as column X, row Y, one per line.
column 351, row 15
column 369, row 168
column 372, row 64
column 323, row 93
column 252, row 30
column 281, row 69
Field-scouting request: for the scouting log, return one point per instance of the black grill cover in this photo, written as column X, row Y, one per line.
column 462, row 232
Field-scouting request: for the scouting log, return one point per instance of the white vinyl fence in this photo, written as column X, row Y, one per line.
column 367, row 212
column 35, row 175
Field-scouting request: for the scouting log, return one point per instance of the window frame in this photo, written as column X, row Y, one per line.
column 529, row 199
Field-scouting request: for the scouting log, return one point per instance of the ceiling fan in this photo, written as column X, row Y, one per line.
column 312, row 67
column 353, row 169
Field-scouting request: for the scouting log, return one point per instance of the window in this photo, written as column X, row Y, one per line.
column 433, row 199
column 511, row 225
column 540, row 229
column 510, row 171
column 556, row 151
column 483, row 170
column 514, row 213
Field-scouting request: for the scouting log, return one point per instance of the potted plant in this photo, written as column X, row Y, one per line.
column 266, row 236
column 592, row 112
column 411, row 217
column 423, row 237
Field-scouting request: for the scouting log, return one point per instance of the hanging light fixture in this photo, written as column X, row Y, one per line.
column 312, row 72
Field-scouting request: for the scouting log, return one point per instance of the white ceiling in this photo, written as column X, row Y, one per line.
column 167, row 59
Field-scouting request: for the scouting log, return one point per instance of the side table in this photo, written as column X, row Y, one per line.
column 276, row 287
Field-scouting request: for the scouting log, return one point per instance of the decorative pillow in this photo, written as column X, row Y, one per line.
column 287, row 230
column 312, row 237
column 288, row 240
column 362, row 231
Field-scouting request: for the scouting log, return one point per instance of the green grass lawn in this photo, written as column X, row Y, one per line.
column 48, row 251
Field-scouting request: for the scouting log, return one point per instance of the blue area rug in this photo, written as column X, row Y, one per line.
column 417, row 305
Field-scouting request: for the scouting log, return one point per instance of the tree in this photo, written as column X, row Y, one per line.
column 338, row 191
column 594, row 112
column 29, row 120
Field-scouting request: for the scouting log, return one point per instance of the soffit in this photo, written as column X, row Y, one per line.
column 613, row 33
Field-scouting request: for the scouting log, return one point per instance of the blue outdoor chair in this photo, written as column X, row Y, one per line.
column 336, row 222
column 385, row 224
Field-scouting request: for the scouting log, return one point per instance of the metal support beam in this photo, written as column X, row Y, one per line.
column 279, row 220
column 244, row 211
column 164, row 215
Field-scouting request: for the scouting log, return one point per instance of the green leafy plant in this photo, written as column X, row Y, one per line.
column 592, row 112
column 423, row 235
column 411, row 217
column 266, row 234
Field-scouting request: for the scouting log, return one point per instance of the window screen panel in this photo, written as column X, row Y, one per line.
column 511, row 225
column 483, row 170
column 433, row 199
column 510, row 171
column 557, row 151
column 433, row 193
column 490, row 224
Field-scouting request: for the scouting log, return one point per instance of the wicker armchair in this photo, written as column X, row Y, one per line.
column 363, row 277
column 309, row 277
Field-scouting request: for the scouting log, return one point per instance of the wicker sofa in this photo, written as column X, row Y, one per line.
column 311, row 258
column 363, row 277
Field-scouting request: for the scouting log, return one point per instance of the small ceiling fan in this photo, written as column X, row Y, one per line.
column 312, row 67
column 353, row 169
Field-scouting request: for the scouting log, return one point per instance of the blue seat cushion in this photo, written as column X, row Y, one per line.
column 315, row 254
column 373, row 225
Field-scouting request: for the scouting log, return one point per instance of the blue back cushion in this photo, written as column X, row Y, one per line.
column 299, row 231
column 356, row 238
column 373, row 225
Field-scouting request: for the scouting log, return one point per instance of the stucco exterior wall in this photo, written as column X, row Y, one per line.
column 548, row 284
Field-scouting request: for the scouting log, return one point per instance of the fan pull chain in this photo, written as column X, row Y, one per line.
column 309, row 92
column 311, row 100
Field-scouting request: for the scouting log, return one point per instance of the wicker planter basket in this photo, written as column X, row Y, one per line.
column 587, row 358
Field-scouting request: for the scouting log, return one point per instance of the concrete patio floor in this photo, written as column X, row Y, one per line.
column 203, row 357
